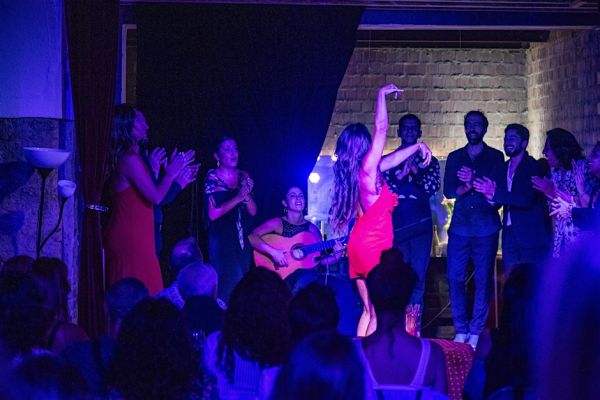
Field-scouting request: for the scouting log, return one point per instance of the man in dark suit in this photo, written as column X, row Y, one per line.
column 474, row 227
column 525, row 224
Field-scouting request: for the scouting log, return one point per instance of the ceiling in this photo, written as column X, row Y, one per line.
column 452, row 23
column 506, row 5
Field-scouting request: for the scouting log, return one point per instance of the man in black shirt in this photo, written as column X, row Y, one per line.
column 414, row 184
column 474, row 228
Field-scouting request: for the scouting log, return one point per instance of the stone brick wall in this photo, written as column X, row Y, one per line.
column 20, row 189
column 564, row 86
column 441, row 86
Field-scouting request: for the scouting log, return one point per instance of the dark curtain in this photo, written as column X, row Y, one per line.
column 266, row 75
column 92, row 32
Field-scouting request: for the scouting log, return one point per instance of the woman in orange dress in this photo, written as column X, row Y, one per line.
column 360, row 190
column 129, row 234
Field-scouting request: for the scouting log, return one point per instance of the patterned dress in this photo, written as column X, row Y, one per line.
column 565, row 231
column 228, row 247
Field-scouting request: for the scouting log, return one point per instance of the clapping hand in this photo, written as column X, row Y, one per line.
column 485, row 186
column 561, row 208
column 157, row 158
column 178, row 162
column 466, row 174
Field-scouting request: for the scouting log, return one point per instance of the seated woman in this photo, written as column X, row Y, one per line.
column 566, row 207
column 395, row 360
column 288, row 226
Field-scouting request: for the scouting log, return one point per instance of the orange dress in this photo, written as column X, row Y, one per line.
column 129, row 241
column 372, row 234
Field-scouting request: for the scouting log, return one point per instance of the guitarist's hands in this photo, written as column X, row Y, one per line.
column 278, row 257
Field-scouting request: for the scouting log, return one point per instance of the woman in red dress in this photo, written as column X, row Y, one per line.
column 129, row 234
column 361, row 191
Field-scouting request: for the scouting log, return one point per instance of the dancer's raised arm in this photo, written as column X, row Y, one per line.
column 373, row 156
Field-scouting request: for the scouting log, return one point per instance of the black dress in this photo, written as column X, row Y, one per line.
column 228, row 248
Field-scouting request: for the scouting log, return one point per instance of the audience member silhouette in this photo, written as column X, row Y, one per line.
column 508, row 364
column 184, row 252
column 255, row 340
column 155, row 357
column 395, row 360
column 43, row 377
column 93, row 357
column 18, row 264
column 23, row 320
column 324, row 366
column 567, row 359
column 51, row 275
column 313, row 309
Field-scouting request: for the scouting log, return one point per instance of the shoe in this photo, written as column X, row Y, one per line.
column 473, row 339
column 461, row 337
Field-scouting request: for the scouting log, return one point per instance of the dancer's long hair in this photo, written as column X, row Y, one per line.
column 121, row 136
column 352, row 145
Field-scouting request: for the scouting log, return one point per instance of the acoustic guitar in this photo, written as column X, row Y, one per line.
column 299, row 251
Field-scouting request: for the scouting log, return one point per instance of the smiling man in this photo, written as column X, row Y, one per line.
column 474, row 227
column 525, row 226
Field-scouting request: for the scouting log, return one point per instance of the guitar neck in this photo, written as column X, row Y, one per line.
column 319, row 246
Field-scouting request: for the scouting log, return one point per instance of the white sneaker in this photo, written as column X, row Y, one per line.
column 461, row 337
column 473, row 339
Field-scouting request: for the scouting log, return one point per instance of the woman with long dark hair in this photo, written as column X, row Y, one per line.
column 129, row 234
column 245, row 356
column 230, row 207
column 360, row 190
column 569, row 178
column 155, row 356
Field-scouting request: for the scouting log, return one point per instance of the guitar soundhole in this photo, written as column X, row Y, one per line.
column 298, row 252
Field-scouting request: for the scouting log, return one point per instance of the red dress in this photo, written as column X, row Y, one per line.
column 372, row 234
column 129, row 241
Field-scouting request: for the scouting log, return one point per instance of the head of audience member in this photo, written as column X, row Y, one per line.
column 594, row 160
column 516, row 138
column 51, row 275
column 476, row 124
column 197, row 279
column 561, row 149
column 120, row 298
column 155, row 356
column 226, row 152
column 185, row 252
column 23, row 319
column 18, row 264
column 409, row 129
column 256, row 324
column 351, row 147
column 313, row 309
column 390, row 285
column 44, row 377
column 509, row 360
column 568, row 325
column 323, row 366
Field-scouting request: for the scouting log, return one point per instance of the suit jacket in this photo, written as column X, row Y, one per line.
column 527, row 206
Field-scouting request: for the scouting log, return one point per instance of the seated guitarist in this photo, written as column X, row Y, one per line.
column 290, row 225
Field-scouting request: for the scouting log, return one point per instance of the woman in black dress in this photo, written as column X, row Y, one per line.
column 230, row 206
